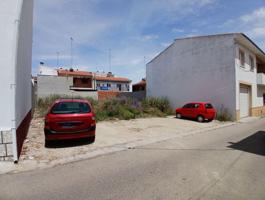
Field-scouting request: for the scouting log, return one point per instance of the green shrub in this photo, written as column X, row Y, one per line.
column 161, row 104
column 125, row 113
column 116, row 108
column 43, row 104
column 101, row 116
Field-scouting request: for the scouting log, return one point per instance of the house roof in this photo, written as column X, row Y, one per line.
column 141, row 83
column 246, row 41
column 65, row 72
column 241, row 37
column 112, row 79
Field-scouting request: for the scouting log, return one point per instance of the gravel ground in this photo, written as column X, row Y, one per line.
column 107, row 134
column 111, row 136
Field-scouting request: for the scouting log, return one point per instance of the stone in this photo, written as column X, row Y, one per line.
column 2, row 150
column 7, row 136
column 9, row 149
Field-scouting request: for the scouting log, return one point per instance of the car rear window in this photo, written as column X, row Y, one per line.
column 70, row 107
column 208, row 106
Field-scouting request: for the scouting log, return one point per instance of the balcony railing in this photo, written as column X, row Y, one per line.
column 81, row 88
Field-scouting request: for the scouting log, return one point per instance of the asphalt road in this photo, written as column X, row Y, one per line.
column 227, row 164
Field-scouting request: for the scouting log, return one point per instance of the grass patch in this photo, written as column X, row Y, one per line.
column 117, row 108
column 223, row 115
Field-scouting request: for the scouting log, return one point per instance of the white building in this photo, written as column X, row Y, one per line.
column 46, row 70
column 226, row 70
column 71, row 82
column 15, row 77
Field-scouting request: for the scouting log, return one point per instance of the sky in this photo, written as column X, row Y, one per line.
column 124, row 35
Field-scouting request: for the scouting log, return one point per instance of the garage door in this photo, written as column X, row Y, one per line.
column 244, row 101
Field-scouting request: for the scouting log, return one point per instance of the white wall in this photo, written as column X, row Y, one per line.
column 260, row 92
column 195, row 69
column 247, row 76
column 60, row 85
column 8, row 12
column 15, row 60
column 23, row 66
column 46, row 70
column 114, row 85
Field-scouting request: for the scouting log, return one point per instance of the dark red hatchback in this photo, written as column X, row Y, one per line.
column 70, row 119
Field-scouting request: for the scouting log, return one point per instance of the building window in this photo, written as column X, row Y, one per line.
column 98, row 84
column 119, row 87
column 108, row 85
column 242, row 58
column 84, row 80
column 263, row 99
column 251, row 63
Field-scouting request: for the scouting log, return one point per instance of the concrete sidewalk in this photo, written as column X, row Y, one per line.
column 111, row 136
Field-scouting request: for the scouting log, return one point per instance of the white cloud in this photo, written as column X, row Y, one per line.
column 177, row 30
column 145, row 38
column 258, row 32
column 258, row 14
column 166, row 44
column 253, row 24
column 94, row 31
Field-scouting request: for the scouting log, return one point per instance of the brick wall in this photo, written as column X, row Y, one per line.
column 22, row 132
column 6, row 146
column 102, row 95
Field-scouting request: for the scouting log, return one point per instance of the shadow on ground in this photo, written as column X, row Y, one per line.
column 252, row 144
column 68, row 143
column 191, row 119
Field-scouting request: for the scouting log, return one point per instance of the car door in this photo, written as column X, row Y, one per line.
column 195, row 110
column 187, row 110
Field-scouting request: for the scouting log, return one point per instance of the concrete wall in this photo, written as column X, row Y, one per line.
column 23, row 66
column 8, row 33
column 195, row 69
column 50, row 85
column 139, row 95
column 260, row 92
column 15, row 77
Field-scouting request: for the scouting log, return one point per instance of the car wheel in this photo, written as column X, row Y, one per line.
column 200, row 118
column 92, row 139
column 47, row 143
column 178, row 115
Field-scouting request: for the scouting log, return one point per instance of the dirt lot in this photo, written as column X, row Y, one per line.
column 110, row 134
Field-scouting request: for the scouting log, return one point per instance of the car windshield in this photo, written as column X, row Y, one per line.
column 208, row 105
column 70, row 107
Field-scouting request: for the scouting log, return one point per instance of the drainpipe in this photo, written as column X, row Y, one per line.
column 13, row 84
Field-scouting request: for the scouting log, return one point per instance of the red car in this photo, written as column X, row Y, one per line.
column 70, row 119
column 197, row 110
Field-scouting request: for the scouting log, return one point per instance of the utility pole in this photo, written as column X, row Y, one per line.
column 72, row 40
column 58, row 54
column 109, row 60
column 145, row 66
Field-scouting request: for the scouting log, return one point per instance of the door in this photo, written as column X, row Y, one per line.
column 195, row 110
column 244, row 101
column 187, row 110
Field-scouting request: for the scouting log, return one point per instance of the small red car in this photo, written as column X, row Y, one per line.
column 70, row 119
column 197, row 110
